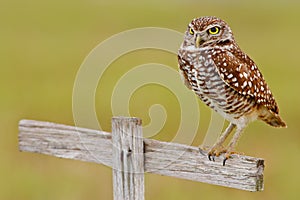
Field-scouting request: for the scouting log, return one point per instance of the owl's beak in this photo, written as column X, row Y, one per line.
column 199, row 41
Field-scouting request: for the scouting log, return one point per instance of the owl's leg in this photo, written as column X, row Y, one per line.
column 218, row 148
column 233, row 142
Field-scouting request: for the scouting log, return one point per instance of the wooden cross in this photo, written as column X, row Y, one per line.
column 130, row 156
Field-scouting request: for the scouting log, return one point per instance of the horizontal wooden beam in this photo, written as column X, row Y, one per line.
column 169, row 159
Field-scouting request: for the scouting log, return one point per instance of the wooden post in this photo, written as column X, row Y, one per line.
column 128, row 159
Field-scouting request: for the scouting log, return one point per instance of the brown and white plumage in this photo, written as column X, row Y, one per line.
column 225, row 78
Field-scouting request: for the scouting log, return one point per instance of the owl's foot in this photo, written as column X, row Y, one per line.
column 216, row 151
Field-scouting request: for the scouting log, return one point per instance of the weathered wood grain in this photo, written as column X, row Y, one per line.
column 128, row 159
column 169, row 159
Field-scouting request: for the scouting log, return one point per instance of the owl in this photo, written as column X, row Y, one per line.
column 226, row 79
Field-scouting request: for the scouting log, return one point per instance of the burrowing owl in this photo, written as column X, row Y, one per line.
column 226, row 79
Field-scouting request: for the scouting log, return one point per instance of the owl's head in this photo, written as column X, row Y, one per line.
column 207, row 31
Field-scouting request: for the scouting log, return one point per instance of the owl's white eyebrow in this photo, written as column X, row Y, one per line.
column 213, row 25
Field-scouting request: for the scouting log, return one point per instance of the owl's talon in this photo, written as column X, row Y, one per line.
column 227, row 156
column 224, row 161
column 211, row 157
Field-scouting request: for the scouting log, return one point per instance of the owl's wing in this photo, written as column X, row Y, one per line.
column 240, row 73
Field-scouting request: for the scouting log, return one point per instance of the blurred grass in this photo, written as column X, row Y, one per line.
column 44, row 43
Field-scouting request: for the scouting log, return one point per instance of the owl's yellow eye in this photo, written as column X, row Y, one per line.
column 191, row 31
column 214, row 30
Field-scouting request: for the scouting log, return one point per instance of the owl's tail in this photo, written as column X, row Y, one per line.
column 271, row 118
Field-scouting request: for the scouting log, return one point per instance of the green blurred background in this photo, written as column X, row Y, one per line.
column 43, row 44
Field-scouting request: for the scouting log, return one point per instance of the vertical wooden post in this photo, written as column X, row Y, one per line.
column 128, row 159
